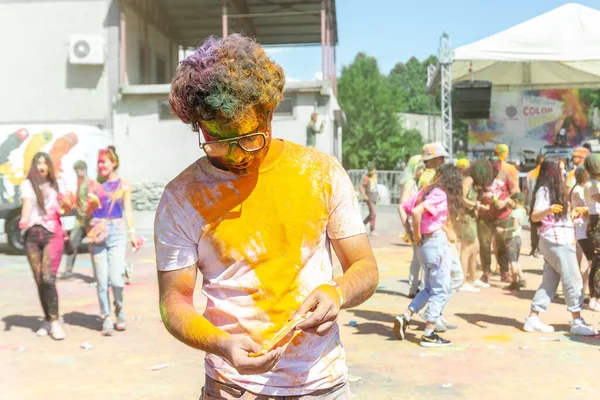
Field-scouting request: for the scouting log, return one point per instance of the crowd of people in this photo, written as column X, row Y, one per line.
column 102, row 207
column 480, row 207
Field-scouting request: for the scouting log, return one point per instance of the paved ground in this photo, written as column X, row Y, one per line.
column 491, row 359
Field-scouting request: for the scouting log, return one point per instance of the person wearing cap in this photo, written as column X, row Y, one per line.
column 463, row 165
column 497, row 197
column 579, row 155
column 501, row 151
column 434, row 156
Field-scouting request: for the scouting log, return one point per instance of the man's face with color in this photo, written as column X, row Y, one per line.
column 235, row 158
column 577, row 160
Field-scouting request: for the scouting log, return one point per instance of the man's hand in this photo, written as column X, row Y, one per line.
column 236, row 350
column 417, row 238
column 323, row 306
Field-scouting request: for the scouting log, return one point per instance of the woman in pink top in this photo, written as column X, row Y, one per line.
column 434, row 211
column 44, row 237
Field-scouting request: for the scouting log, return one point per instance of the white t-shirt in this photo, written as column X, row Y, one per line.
column 556, row 230
column 262, row 245
column 591, row 188
column 51, row 218
column 578, row 200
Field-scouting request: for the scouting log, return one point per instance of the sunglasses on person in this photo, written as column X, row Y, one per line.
column 249, row 143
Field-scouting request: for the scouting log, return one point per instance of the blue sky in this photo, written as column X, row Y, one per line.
column 395, row 30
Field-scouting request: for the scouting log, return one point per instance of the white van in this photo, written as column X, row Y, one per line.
column 64, row 143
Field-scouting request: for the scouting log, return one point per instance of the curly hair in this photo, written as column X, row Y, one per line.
column 449, row 179
column 224, row 80
column 482, row 173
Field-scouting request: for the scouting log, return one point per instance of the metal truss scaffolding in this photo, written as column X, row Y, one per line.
column 444, row 71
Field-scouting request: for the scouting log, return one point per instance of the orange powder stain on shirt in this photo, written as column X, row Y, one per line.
column 267, row 220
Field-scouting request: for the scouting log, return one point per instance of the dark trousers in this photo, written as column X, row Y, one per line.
column 76, row 237
column 486, row 232
column 44, row 250
column 593, row 233
column 372, row 214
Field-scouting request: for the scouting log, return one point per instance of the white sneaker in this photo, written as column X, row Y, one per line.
column 56, row 331
column 579, row 327
column 469, row 288
column 533, row 324
column 44, row 329
column 480, row 284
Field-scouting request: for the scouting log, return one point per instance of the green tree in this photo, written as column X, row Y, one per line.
column 373, row 131
column 407, row 86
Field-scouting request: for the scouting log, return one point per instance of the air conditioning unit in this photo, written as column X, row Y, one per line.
column 86, row 49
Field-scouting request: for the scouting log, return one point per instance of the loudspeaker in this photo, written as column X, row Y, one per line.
column 471, row 99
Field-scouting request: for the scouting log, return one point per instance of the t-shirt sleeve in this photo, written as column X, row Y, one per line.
column 409, row 204
column 436, row 202
column 174, row 243
column 510, row 184
column 542, row 200
column 345, row 219
column 27, row 190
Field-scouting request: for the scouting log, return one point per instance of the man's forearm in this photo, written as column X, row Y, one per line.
column 359, row 282
column 187, row 325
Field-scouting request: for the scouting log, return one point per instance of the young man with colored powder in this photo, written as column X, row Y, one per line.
column 256, row 217
column 529, row 188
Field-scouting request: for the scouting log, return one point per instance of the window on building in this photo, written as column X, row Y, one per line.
column 286, row 108
column 161, row 70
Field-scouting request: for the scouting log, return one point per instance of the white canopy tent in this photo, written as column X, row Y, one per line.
column 558, row 49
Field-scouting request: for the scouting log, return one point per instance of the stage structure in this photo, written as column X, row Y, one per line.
column 557, row 50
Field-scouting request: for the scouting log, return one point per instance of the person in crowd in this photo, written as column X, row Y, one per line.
column 312, row 130
column 467, row 228
column 501, row 151
column 579, row 155
column 408, row 188
column 550, row 214
column 592, row 200
column 580, row 217
column 84, row 183
column 588, row 147
column 530, row 181
column 433, row 155
column 256, row 218
column 369, row 192
column 434, row 212
column 496, row 198
column 511, row 234
column 108, row 237
column 44, row 238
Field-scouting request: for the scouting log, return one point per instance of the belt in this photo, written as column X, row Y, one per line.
column 428, row 235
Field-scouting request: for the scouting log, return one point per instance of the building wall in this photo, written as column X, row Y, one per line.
column 420, row 122
column 156, row 45
column 152, row 151
column 37, row 82
column 293, row 128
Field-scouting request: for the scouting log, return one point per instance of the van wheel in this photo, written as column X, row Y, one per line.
column 13, row 233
